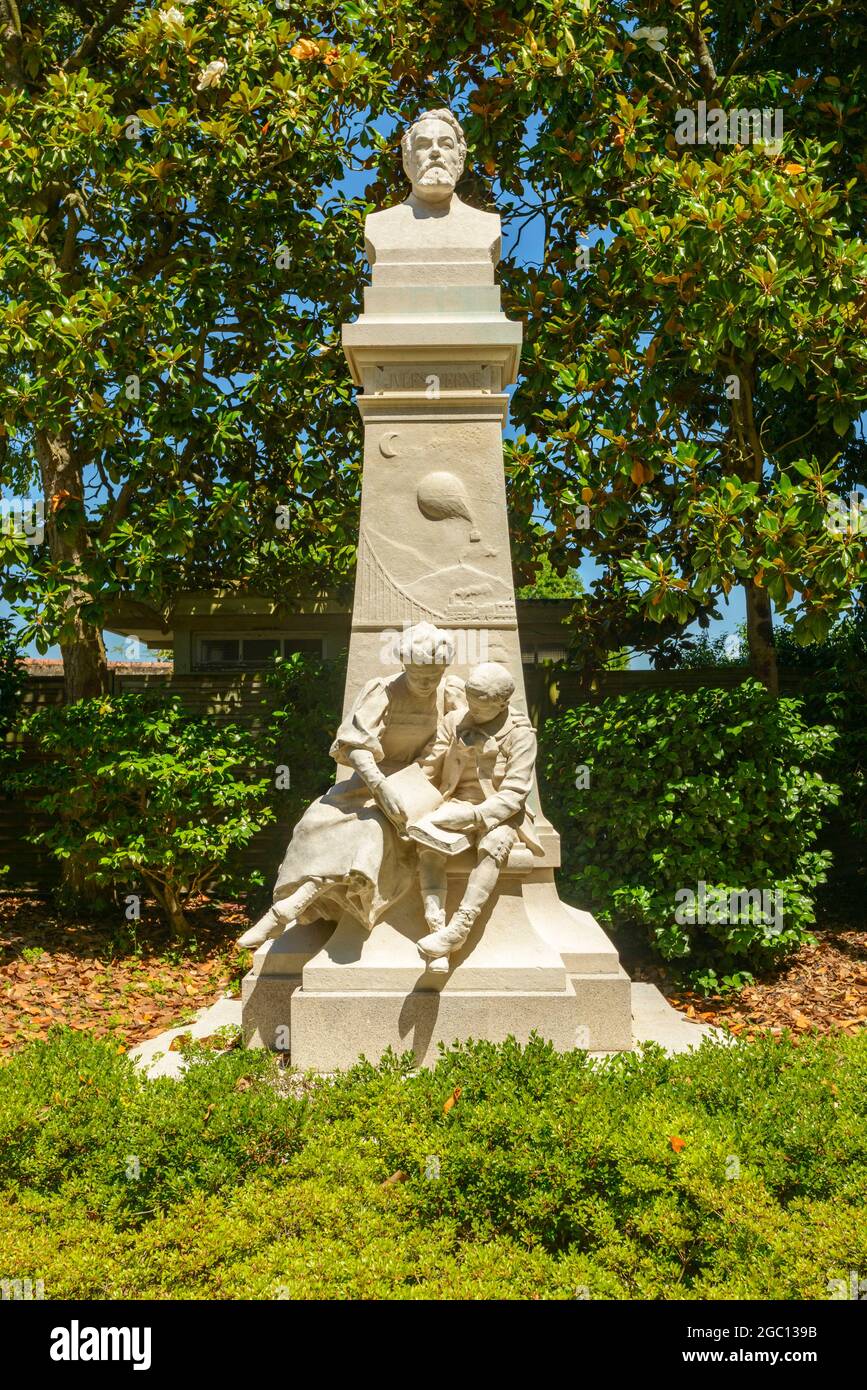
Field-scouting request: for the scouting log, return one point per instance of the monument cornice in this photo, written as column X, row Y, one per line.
column 464, row 406
column 367, row 342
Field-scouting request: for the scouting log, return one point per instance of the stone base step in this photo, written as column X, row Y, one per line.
column 653, row 1020
column 332, row 993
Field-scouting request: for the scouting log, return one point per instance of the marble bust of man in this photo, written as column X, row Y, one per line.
column 433, row 237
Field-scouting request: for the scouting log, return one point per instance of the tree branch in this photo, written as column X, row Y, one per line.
column 807, row 13
column 95, row 35
column 67, row 255
column 702, row 54
column 118, row 508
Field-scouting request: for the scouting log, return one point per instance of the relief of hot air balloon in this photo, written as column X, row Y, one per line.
column 441, row 496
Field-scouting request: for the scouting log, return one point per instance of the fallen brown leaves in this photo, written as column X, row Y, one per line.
column 822, row 987
column 78, row 980
column 81, row 981
column 451, row 1100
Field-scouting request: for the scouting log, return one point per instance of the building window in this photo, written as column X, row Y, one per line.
column 259, row 650
column 249, row 653
column 219, row 651
column 543, row 655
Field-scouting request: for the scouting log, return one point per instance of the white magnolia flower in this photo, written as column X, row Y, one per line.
column 655, row 37
column 213, row 74
column 171, row 16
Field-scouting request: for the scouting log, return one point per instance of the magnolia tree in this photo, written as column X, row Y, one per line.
column 704, row 361
column 180, row 247
column 172, row 277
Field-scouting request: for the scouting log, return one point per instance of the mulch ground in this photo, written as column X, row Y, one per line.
column 130, row 981
column 126, row 981
column 822, row 987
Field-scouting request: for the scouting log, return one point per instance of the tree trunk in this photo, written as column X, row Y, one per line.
column 10, row 42
column 170, row 904
column 760, row 636
column 85, row 669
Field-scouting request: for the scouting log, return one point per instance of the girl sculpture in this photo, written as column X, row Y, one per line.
column 347, row 853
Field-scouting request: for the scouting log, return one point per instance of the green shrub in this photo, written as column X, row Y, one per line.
column 11, row 688
column 76, row 1114
column 551, row 1175
column 138, row 789
column 303, row 712
column 696, row 650
column 11, row 674
column 713, row 787
column 836, row 694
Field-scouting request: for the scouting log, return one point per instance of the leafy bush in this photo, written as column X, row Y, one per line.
column 304, row 710
column 551, row 1175
column 138, row 788
column 836, row 694
column 719, row 787
column 11, row 687
column 696, row 650
column 11, row 674
column 548, row 583
column 101, row 1117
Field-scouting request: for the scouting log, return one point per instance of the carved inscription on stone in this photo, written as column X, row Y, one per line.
column 433, row 377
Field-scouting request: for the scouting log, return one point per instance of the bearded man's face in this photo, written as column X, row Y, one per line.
column 435, row 163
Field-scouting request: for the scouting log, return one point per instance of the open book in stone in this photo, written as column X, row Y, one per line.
column 420, row 797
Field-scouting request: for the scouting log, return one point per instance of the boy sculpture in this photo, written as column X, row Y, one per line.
column 483, row 762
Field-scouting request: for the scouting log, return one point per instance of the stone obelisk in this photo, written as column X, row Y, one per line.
column 433, row 354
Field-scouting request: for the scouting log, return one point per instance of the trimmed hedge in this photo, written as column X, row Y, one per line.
column 683, row 788
column 550, row 1176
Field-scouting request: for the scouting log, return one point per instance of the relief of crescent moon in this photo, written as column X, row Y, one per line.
column 386, row 445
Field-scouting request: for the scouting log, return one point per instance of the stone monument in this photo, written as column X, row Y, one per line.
column 417, row 903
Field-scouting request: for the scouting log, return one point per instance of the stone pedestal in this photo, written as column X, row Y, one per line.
column 329, row 993
column 433, row 355
column 434, row 539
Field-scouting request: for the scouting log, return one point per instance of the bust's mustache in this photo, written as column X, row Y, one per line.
column 433, row 166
